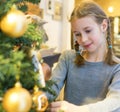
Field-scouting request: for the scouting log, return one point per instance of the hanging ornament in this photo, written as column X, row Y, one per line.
column 14, row 23
column 46, row 70
column 17, row 99
column 38, row 68
column 40, row 101
column 0, row 25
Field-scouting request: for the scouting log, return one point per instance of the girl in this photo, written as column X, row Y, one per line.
column 91, row 77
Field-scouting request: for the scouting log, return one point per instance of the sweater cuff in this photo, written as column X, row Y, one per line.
column 83, row 108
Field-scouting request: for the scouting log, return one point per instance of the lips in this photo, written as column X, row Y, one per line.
column 87, row 45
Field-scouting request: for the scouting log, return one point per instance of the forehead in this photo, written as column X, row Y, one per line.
column 87, row 21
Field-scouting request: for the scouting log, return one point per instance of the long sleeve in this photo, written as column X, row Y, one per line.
column 93, row 87
column 110, row 104
column 112, row 101
column 59, row 76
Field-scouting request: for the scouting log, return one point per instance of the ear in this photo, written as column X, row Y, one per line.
column 104, row 25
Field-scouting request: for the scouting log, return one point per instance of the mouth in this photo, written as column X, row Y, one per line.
column 87, row 45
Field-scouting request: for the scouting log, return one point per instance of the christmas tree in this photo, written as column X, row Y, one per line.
column 19, row 41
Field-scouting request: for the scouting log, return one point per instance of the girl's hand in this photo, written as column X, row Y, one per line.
column 61, row 106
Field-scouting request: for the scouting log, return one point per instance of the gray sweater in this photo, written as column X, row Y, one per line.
column 95, row 85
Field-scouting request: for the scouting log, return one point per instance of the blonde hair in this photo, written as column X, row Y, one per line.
column 90, row 8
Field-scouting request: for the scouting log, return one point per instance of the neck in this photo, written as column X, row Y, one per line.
column 94, row 57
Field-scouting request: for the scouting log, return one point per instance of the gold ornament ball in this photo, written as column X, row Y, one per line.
column 0, row 25
column 17, row 99
column 14, row 23
column 40, row 101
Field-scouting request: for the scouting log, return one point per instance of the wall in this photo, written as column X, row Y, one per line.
column 115, row 4
column 59, row 32
column 105, row 4
column 66, row 28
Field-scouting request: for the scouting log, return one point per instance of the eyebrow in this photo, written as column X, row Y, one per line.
column 87, row 27
column 83, row 29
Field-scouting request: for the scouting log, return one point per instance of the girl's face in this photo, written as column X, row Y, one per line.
column 89, row 34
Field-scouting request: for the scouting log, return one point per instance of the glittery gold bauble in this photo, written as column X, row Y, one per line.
column 40, row 101
column 0, row 25
column 14, row 23
column 17, row 99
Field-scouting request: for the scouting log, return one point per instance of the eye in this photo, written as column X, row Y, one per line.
column 77, row 34
column 88, row 31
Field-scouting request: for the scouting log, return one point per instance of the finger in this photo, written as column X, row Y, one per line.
column 53, row 110
column 60, row 110
column 56, row 104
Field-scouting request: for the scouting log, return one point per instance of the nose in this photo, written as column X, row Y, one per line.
column 84, row 37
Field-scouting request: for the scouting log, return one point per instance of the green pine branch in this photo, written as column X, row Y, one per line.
column 5, row 5
column 14, row 61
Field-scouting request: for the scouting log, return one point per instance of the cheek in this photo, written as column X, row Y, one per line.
column 97, row 36
column 98, row 39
